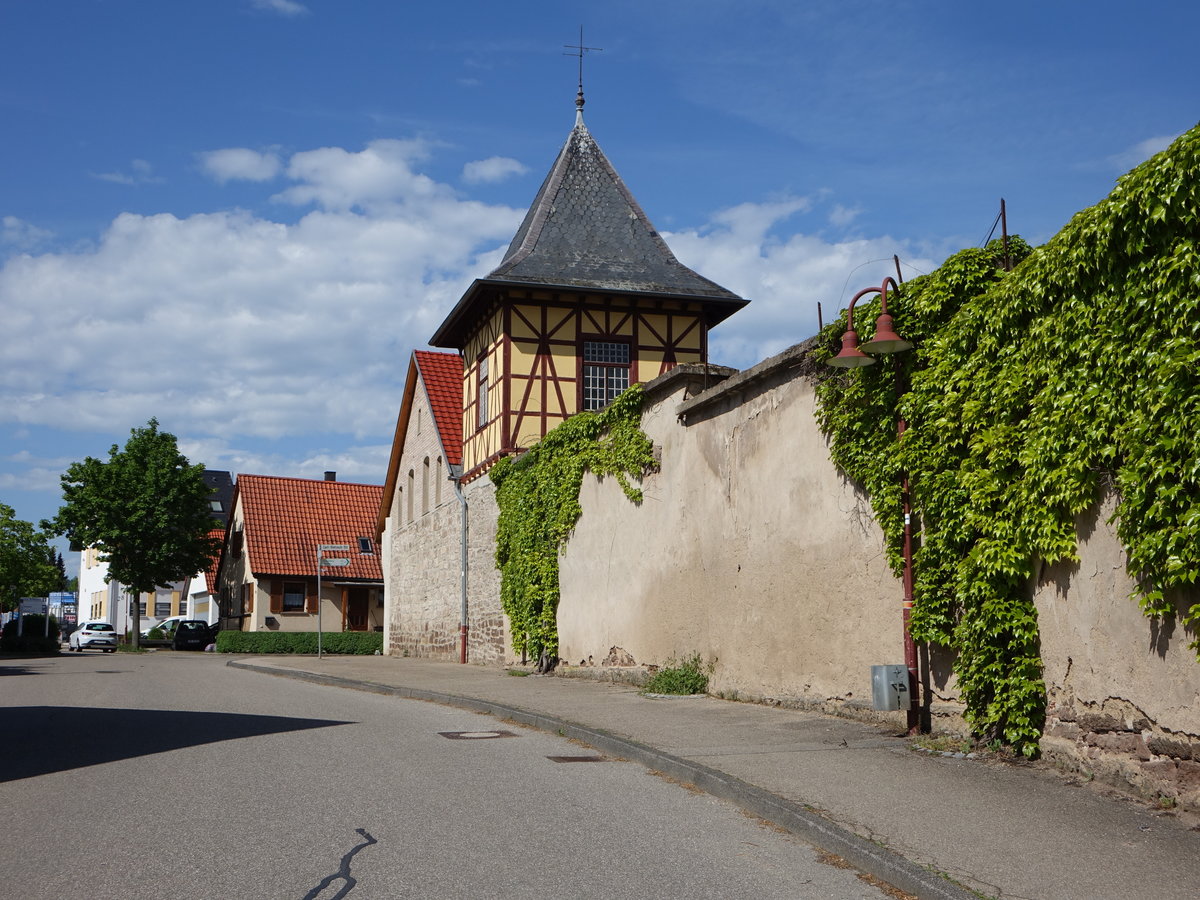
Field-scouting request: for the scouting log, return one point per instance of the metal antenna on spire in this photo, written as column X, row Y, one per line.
column 579, row 49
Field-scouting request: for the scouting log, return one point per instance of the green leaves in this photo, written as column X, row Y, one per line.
column 1028, row 391
column 538, row 496
column 27, row 561
column 146, row 509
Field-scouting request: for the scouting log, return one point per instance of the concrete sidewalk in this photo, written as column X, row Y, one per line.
column 1001, row 829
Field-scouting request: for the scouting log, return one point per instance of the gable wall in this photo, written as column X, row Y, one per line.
column 423, row 586
column 422, row 555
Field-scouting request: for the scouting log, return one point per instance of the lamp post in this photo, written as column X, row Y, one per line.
column 886, row 340
column 322, row 561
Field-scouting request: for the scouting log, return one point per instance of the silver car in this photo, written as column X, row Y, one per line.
column 96, row 635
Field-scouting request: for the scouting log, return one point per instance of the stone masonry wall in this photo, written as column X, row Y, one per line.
column 425, row 590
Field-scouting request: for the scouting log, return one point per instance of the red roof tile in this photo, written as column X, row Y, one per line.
column 286, row 518
column 214, row 567
column 443, row 377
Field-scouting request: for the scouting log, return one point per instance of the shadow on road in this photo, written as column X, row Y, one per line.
column 43, row 739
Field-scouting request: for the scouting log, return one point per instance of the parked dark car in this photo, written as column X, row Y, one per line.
column 191, row 634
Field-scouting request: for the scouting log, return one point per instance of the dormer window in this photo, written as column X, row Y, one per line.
column 364, row 545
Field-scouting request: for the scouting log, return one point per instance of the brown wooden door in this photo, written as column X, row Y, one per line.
column 356, row 609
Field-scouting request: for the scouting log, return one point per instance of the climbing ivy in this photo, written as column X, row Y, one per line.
column 1029, row 393
column 538, row 496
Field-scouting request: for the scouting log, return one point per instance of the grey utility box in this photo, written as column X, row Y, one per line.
column 889, row 687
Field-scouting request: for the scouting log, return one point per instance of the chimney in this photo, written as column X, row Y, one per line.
column 331, row 476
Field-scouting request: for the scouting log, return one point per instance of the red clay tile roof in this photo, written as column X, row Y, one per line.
column 214, row 567
column 286, row 518
column 443, row 377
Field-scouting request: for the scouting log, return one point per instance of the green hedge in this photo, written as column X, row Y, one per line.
column 361, row 643
column 33, row 639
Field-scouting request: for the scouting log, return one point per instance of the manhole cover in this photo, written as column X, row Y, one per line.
column 475, row 735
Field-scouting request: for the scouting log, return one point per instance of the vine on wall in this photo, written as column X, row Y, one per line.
column 538, row 496
column 1027, row 394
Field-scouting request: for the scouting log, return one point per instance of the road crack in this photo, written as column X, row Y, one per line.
column 343, row 872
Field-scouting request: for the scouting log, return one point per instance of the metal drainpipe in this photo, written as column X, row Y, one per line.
column 463, row 627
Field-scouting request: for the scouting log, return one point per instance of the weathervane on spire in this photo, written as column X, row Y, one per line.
column 580, row 49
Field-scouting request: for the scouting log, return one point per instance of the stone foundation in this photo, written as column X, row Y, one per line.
column 1117, row 744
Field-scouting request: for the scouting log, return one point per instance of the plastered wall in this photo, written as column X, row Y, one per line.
column 749, row 549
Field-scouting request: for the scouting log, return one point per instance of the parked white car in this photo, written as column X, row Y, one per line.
column 167, row 626
column 93, row 635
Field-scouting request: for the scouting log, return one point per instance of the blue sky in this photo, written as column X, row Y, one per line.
column 241, row 216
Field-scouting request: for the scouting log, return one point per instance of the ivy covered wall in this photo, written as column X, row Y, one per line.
column 1029, row 393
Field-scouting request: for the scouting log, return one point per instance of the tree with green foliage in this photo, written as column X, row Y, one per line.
column 61, row 568
column 1029, row 395
column 26, row 561
column 146, row 510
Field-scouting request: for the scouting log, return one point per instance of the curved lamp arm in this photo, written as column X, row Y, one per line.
column 885, row 340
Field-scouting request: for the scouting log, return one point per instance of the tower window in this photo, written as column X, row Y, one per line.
column 605, row 372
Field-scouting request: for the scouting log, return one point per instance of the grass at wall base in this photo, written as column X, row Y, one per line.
column 1030, row 393
column 680, row 676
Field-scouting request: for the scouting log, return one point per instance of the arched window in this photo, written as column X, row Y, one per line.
column 425, row 486
column 437, row 483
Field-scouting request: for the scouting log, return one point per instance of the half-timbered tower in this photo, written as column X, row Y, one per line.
column 588, row 300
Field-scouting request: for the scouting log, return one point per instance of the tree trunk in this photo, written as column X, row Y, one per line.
column 135, row 611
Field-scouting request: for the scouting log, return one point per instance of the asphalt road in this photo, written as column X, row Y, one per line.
column 171, row 775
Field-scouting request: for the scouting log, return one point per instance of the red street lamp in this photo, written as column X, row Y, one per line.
column 886, row 340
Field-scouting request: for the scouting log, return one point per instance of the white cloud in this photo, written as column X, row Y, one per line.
column 841, row 216
column 1141, row 151
column 140, row 172
column 365, row 463
column 784, row 277
column 260, row 342
column 21, row 235
column 373, row 179
column 238, row 163
column 284, row 7
column 492, row 169
column 227, row 323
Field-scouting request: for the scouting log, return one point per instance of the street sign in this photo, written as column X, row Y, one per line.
column 33, row 606
column 337, row 561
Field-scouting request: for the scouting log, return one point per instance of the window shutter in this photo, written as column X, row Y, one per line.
column 248, row 597
column 276, row 595
column 310, row 605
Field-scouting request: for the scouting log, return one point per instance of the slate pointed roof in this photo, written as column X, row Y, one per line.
column 585, row 231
